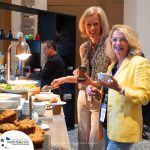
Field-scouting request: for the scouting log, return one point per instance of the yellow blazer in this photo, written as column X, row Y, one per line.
column 124, row 123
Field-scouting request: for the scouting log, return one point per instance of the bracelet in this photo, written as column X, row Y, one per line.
column 122, row 91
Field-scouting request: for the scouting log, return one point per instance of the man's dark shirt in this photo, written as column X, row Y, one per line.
column 54, row 68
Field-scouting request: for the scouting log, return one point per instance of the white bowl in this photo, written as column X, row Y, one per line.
column 103, row 76
column 39, row 111
column 9, row 96
column 9, row 104
column 39, row 105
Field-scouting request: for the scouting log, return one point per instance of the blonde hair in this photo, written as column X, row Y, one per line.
column 131, row 37
column 103, row 20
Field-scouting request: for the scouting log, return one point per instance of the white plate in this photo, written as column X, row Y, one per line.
column 17, row 91
column 58, row 103
column 14, row 90
column 44, row 126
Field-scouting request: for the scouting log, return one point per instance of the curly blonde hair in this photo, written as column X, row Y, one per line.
column 131, row 37
column 103, row 19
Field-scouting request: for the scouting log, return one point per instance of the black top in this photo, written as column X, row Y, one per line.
column 54, row 68
column 105, row 91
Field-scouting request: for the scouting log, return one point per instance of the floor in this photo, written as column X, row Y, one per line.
column 73, row 137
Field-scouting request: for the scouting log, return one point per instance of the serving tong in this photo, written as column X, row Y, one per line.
column 47, row 89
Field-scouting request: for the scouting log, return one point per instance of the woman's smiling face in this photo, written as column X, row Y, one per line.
column 92, row 27
column 120, row 44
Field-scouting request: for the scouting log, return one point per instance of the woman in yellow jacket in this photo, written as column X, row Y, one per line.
column 128, row 88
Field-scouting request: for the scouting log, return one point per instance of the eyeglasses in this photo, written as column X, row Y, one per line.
column 115, row 40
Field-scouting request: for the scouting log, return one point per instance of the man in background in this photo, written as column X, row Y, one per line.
column 53, row 68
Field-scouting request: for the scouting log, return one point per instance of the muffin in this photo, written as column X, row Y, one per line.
column 27, row 126
column 37, row 137
column 8, row 116
column 7, row 127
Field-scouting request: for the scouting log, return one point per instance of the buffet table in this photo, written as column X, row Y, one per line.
column 56, row 136
column 57, row 133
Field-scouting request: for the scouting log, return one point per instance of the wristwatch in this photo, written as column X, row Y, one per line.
column 122, row 91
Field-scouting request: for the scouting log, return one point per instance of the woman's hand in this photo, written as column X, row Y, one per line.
column 93, row 91
column 76, row 72
column 57, row 82
column 89, row 81
column 112, row 83
column 86, row 81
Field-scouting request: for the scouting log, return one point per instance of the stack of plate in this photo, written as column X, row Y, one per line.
column 25, row 108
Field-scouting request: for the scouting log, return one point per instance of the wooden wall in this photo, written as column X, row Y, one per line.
column 5, row 24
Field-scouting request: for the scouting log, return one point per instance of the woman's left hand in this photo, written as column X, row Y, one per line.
column 111, row 83
column 93, row 91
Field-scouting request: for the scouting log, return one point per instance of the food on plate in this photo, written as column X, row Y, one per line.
column 18, row 85
column 53, row 100
column 8, row 116
column 8, row 86
column 3, row 86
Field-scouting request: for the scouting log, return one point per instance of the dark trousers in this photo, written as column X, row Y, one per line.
column 59, row 92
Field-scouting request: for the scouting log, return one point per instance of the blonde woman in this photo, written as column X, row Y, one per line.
column 93, row 26
column 128, row 90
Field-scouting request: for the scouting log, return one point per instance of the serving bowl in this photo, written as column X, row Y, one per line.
column 9, row 104
column 8, row 100
column 39, row 107
column 9, row 96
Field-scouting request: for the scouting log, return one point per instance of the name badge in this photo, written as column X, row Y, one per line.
column 103, row 112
